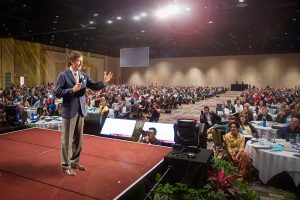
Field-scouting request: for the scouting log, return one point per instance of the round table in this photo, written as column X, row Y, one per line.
column 269, row 163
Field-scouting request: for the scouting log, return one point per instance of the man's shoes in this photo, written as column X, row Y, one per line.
column 69, row 172
column 79, row 167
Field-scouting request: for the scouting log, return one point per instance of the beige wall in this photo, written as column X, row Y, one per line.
column 41, row 64
column 27, row 62
column 276, row 70
column 113, row 66
column 7, row 59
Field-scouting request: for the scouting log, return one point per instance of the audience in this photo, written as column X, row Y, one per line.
column 235, row 144
column 289, row 132
column 247, row 128
column 264, row 115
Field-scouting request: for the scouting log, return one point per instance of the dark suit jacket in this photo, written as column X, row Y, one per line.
column 74, row 102
column 260, row 118
column 287, row 133
column 215, row 119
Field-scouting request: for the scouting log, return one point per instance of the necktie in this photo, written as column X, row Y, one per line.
column 76, row 77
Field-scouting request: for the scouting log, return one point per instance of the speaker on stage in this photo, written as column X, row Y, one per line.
column 189, row 167
column 12, row 113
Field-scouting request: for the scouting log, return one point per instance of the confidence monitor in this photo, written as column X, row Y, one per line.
column 164, row 132
column 119, row 128
column 134, row 57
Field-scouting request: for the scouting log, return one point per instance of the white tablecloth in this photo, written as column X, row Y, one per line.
column 270, row 163
column 267, row 132
column 54, row 124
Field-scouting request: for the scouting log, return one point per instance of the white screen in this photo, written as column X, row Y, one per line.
column 118, row 127
column 165, row 132
column 134, row 57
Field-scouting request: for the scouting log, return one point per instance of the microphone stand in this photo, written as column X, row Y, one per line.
column 154, row 187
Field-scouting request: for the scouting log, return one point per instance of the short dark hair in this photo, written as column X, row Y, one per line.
column 74, row 55
column 154, row 129
column 236, row 124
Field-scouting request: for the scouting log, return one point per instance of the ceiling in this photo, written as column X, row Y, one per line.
column 207, row 28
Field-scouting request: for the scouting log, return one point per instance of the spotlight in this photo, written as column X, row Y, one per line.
column 109, row 21
column 136, row 18
column 143, row 14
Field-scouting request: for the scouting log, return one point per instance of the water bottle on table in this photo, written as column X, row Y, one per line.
column 32, row 116
column 264, row 124
column 298, row 139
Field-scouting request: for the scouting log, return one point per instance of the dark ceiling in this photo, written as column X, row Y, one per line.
column 238, row 27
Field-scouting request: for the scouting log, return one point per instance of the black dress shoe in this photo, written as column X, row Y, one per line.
column 79, row 167
column 69, row 172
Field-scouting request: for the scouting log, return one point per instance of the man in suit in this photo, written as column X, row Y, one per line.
column 71, row 85
column 289, row 132
column 209, row 119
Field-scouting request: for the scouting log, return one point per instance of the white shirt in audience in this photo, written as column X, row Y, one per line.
column 238, row 108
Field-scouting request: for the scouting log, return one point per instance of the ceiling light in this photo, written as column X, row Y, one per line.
column 173, row 9
column 136, row 18
column 109, row 21
column 91, row 22
column 294, row 19
column 96, row 14
column 143, row 31
column 210, row 22
column 187, row 9
column 143, row 14
column 161, row 14
column 168, row 11
column 241, row 1
column 119, row 18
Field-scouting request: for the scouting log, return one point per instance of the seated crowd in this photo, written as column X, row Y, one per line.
column 233, row 121
column 118, row 101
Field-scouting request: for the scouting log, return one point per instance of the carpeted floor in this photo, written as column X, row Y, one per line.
column 192, row 111
column 30, row 166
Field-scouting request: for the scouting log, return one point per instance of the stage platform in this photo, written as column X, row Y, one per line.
column 30, row 166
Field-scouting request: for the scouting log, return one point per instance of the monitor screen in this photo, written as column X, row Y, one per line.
column 134, row 57
column 165, row 132
column 118, row 127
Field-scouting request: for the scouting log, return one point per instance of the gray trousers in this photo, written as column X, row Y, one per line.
column 71, row 140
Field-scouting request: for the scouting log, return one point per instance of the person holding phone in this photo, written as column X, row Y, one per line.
column 71, row 86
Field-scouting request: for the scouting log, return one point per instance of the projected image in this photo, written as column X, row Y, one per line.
column 118, row 127
column 165, row 132
column 134, row 57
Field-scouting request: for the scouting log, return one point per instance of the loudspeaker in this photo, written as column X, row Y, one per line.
column 12, row 113
column 189, row 167
column 92, row 124
column 185, row 132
